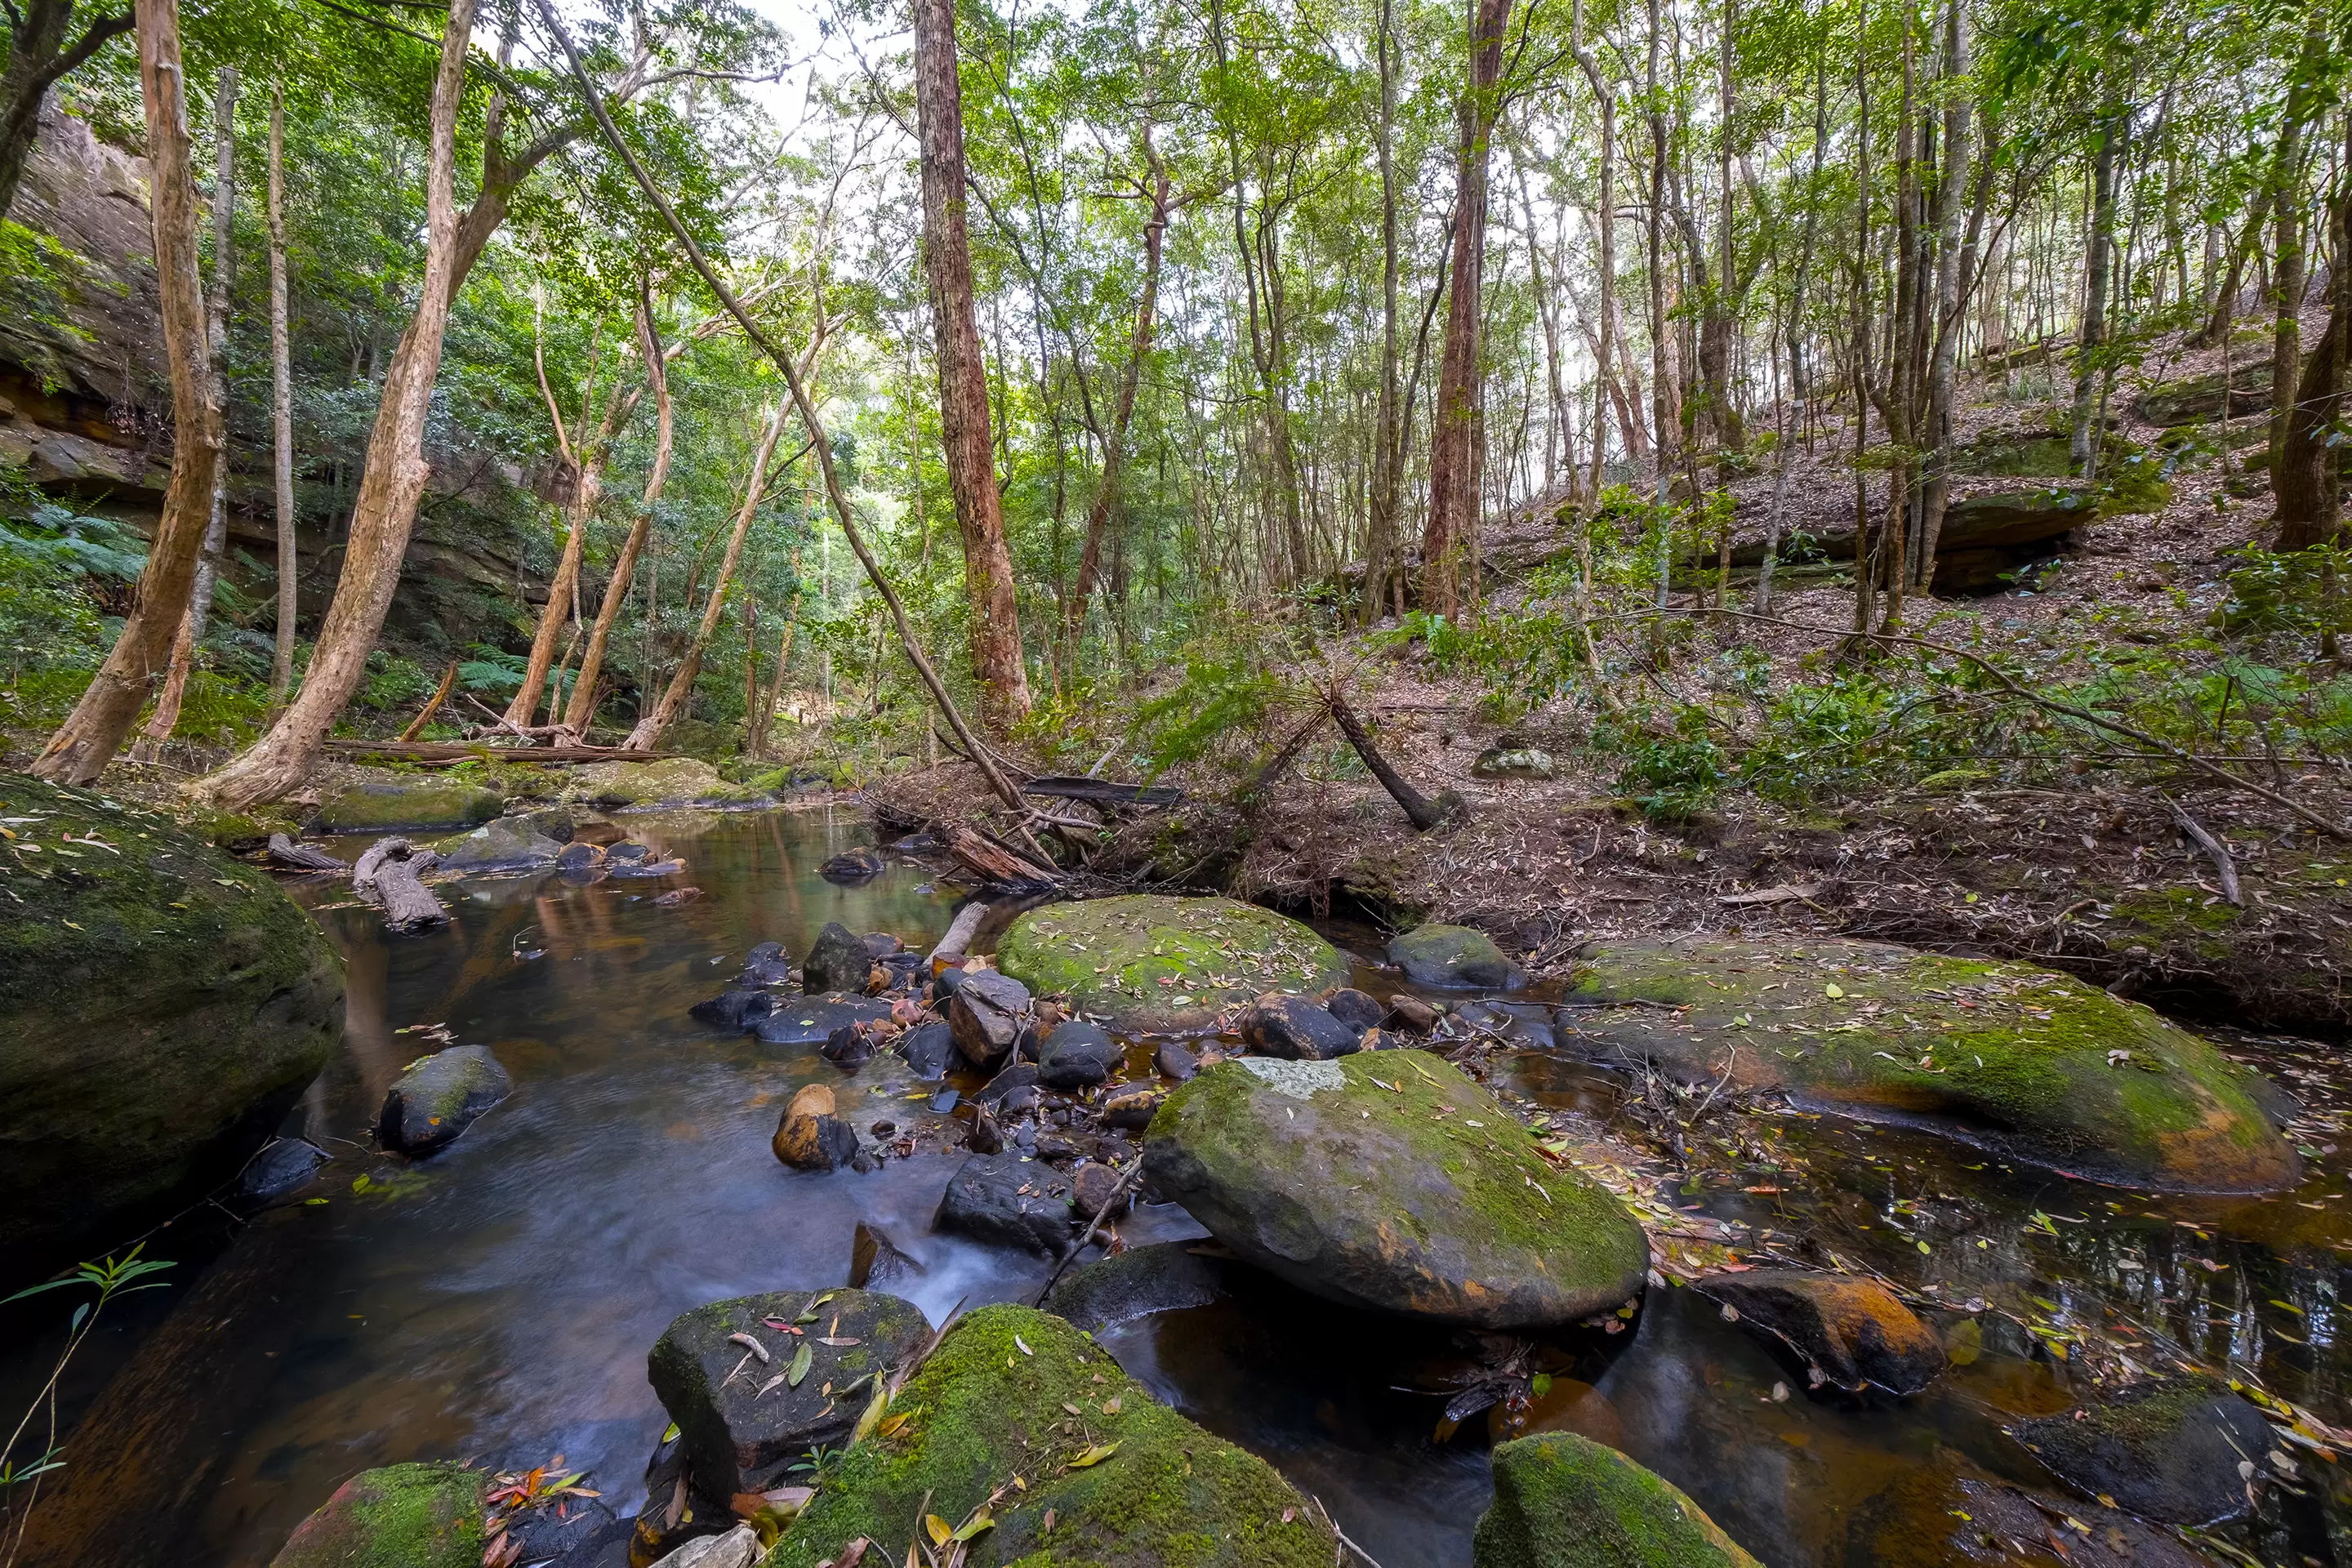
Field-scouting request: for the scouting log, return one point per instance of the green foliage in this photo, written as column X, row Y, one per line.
column 1216, row 698
column 110, row 1277
column 1671, row 764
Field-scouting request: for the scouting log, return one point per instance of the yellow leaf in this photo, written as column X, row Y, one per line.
column 939, row 1528
column 669, row 1433
column 1834, row 990
column 1093, row 1456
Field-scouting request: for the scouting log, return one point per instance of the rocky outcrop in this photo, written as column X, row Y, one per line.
column 1391, row 1181
column 411, row 1516
column 1147, row 963
column 1849, row 1330
column 2033, row 1064
column 438, row 1097
column 162, row 1006
column 398, row 805
column 2194, row 399
column 674, row 781
column 1565, row 1501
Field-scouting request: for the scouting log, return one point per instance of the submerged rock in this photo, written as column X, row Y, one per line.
column 405, row 806
column 1126, row 1484
column 414, row 1516
column 743, row 1417
column 1149, row 963
column 1565, row 1501
column 1009, row 1200
column 1175, row 1062
column 811, row 1020
column 2034, row 1064
column 1076, row 1054
column 438, row 1097
column 986, row 1016
column 1164, row 1277
column 929, row 1050
column 810, row 1136
column 837, row 960
column 563, row 1527
column 1850, row 1331
column 735, row 1010
column 287, row 1164
column 852, row 867
column 510, row 844
column 766, row 964
column 1395, row 1182
column 1454, row 958
column 162, row 1007
column 1950, row 1515
column 2167, row 1448
column 1295, row 1028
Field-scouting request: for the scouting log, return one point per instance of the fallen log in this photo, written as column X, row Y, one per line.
column 993, row 863
column 470, row 750
column 1104, row 792
column 284, row 851
column 961, row 931
column 1448, row 810
column 391, row 876
column 372, row 859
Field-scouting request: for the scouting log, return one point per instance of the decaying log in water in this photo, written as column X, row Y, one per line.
column 991, row 862
column 1104, row 792
column 961, row 931
column 391, row 874
column 1449, row 810
column 284, row 851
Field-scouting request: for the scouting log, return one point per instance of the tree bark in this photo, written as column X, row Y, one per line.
column 2098, row 270
column 1952, row 265
column 581, row 710
column 963, row 377
column 38, row 55
column 1381, row 545
column 281, row 407
column 1604, row 99
column 1425, row 813
column 87, row 741
column 2310, row 471
column 2289, row 266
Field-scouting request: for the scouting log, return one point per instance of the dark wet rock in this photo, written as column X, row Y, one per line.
column 929, row 1050
column 509, row 843
column 986, row 1016
column 628, row 852
column 605, row 1547
column 406, row 806
column 1303, row 1168
column 1132, row 1106
column 1850, row 1331
column 2167, row 1448
column 1059, row 1148
column 439, row 1098
column 852, row 867
column 811, row 1020
column 1014, row 1079
column 735, row 1010
column 1355, row 1009
column 766, row 964
column 1164, row 1492
column 1565, row 1501
column 1949, row 1515
column 984, row 1136
column 1456, row 958
column 563, row 1526
column 1076, row 1054
column 836, row 962
column 150, row 1046
column 580, row 861
column 555, row 822
column 1174, row 1060
column 2033, row 1064
column 1292, row 1026
column 1094, row 1186
column 946, row 1101
column 848, row 1048
column 285, row 1165
column 882, row 944
column 877, row 1263
column 948, row 981
column 1514, row 763
column 646, row 868
column 810, row 1135
column 1164, row 1277
column 415, row 1516
column 1152, row 963
column 1410, row 1015
column 740, row 1420
column 1009, row 1200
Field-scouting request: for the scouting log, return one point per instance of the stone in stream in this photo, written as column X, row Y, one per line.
column 1295, row 1028
column 1127, row 1483
column 1093, row 1186
column 837, row 960
column 741, row 1418
column 1453, row 958
column 852, row 867
column 766, row 964
column 510, row 844
column 1355, row 1009
column 985, row 1015
column 848, row 1048
column 580, row 862
column 402, row 805
column 1393, row 1182
column 1850, row 1331
column 566, row 1525
column 1009, row 1200
column 285, row 1166
column 1410, row 1015
column 162, row 1007
column 929, row 1050
column 1015, row 1078
column 1163, row 1276
column 810, row 1135
column 1149, row 963
column 811, row 1020
column 438, row 1097
column 415, row 1516
column 736, row 1010
column 1172, row 1060
column 1565, row 1501
column 1076, row 1054
column 877, row 1263
column 2166, row 1449
column 1132, row 1106
column 1948, row 1514
column 2032, row 1065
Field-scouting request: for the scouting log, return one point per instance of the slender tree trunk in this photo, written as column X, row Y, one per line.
column 2310, row 469
column 2288, row 263
column 1864, row 566
column 2098, row 268
column 1604, row 100
column 1666, row 416
column 581, row 710
column 1548, row 316
column 1382, row 549
column 38, row 55
column 1952, row 282
column 87, row 741
column 281, row 408
column 586, row 460
column 963, row 379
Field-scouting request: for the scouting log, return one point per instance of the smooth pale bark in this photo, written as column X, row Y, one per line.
column 1604, row 99
column 1387, row 443
column 39, row 57
column 2098, row 270
column 281, row 406
column 648, row 732
column 87, row 741
column 1457, row 448
column 581, row 710
column 1952, row 263
column 963, row 379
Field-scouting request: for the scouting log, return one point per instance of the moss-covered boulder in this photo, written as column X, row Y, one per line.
column 2197, row 398
column 438, row 1097
column 1109, row 1476
column 742, row 1413
column 1391, row 1181
column 510, row 844
column 403, row 1516
column 406, row 805
column 2033, row 1064
column 1147, row 962
column 1850, row 1331
column 1565, row 1501
column 162, row 1006
column 1453, row 958
column 674, row 781
column 2167, row 1448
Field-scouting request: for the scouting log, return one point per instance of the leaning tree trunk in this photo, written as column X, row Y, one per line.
column 87, row 741
column 963, row 378
column 281, row 406
column 648, row 732
column 581, row 710
column 390, row 486
column 38, row 55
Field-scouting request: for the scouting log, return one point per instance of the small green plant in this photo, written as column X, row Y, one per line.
column 110, row 1277
column 1673, row 768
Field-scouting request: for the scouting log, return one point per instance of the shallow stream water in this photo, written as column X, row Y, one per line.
column 496, row 1301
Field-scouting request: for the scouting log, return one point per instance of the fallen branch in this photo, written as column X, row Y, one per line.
column 1103, row 791
column 1119, row 1191
column 295, row 856
column 471, row 751
column 2224, row 867
column 1425, row 813
column 424, row 714
column 390, row 875
column 961, row 931
column 991, row 862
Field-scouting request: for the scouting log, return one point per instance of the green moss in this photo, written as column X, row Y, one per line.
column 996, row 1401
column 389, row 805
column 676, row 781
column 1156, row 962
column 403, row 1516
column 1565, row 1501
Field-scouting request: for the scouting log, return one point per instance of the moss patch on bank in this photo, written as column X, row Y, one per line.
column 403, row 1516
column 1149, row 962
column 1565, row 1501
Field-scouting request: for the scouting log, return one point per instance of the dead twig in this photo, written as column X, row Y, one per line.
column 2224, row 867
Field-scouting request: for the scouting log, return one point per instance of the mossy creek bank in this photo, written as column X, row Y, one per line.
column 496, row 1301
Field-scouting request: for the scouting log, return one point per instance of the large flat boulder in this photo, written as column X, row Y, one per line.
column 162, row 1006
column 1392, row 1180
column 673, row 781
column 402, row 1516
column 2194, row 399
column 1150, row 963
column 1566, row 1501
column 1109, row 1475
column 509, row 843
column 405, row 805
column 2031, row 1064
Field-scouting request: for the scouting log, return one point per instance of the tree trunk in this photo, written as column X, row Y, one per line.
column 38, row 55
column 2310, row 471
column 2098, row 268
column 281, row 408
column 1604, row 100
column 391, row 484
column 1381, row 543
column 1952, row 261
column 963, row 378
column 1457, row 445
column 581, row 710
column 2289, row 267
column 87, row 741
column 1424, row 813
column 648, row 732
